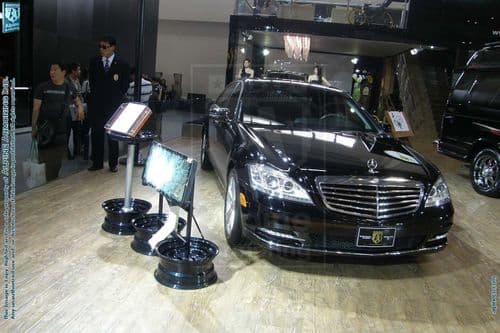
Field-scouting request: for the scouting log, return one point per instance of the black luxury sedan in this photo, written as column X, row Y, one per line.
column 307, row 171
column 470, row 129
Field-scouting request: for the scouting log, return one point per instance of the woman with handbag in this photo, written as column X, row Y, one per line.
column 50, row 111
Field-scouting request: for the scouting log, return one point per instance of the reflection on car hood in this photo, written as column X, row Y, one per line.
column 337, row 153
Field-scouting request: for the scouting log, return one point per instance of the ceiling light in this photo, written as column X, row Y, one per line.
column 242, row 50
column 354, row 60
column 265, row 52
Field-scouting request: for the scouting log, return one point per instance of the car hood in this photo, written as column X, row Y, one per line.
column 339, row 153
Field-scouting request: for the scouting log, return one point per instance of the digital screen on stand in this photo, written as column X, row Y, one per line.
column 171, row 173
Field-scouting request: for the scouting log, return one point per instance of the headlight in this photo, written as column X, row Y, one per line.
column 276, row 183
column 439, row 194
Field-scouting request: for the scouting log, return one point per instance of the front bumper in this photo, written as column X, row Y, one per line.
column 280, row 247
column 290, row 227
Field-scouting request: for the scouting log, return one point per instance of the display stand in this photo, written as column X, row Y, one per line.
column 125, row 125
column 400, row 126
column 185, row 262
column 148, row 136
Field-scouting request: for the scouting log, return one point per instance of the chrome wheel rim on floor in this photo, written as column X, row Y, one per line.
column 486, row 172
column 230, row 209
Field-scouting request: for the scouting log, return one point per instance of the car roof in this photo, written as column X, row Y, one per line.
column 292, row 82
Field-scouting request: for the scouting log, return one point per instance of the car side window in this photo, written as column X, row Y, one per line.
column 486, row 92
column 224, row 97
column 462, row 87
column 465, row 81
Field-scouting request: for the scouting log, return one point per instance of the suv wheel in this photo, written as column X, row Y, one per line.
column 232, row 211
column 485, row 173
column 204, row 160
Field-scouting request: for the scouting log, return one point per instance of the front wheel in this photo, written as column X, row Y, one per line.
column 233, row 228
column 485, row 173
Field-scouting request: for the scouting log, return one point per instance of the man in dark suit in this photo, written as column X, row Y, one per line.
column 108, row 78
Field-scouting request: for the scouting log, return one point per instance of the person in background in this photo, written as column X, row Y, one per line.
column 146, row 88
column 85, row 84
column 246, row 70
column 74, row 123
column 75, row 72
column 84, row 138
column 317, row 77
column 109, row 81
column 51, row 107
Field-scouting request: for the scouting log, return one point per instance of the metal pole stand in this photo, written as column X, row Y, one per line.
column 121, row 211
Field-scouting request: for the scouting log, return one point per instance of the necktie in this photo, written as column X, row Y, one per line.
column 106, row 65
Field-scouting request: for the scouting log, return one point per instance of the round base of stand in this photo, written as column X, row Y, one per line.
column 145, row 227
column 117, row 221
column 180, row 270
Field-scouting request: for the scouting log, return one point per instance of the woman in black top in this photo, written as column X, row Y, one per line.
column 317, row 77
column 246, row 71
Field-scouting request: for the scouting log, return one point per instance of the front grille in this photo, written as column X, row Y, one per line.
column 370, row 197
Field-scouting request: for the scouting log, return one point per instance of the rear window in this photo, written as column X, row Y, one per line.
column 301, row 106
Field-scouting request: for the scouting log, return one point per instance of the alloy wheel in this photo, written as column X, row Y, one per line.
column 485, row 174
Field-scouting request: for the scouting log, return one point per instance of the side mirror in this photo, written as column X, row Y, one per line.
column 217, row 113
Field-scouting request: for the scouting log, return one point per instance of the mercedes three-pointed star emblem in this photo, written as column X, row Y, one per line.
column 372, row 165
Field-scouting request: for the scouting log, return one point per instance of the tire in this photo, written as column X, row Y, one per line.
column 204, row 159
column 485, row 173
column 233, row 228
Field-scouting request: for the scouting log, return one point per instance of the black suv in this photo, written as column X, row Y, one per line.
column 470, row 129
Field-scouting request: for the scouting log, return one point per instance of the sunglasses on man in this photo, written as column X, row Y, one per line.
column 103, row 46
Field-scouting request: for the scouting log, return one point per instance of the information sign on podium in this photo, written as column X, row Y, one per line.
column 125, row 125
column 128, row 119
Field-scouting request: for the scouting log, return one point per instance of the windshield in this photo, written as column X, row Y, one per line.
column 301, row 106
